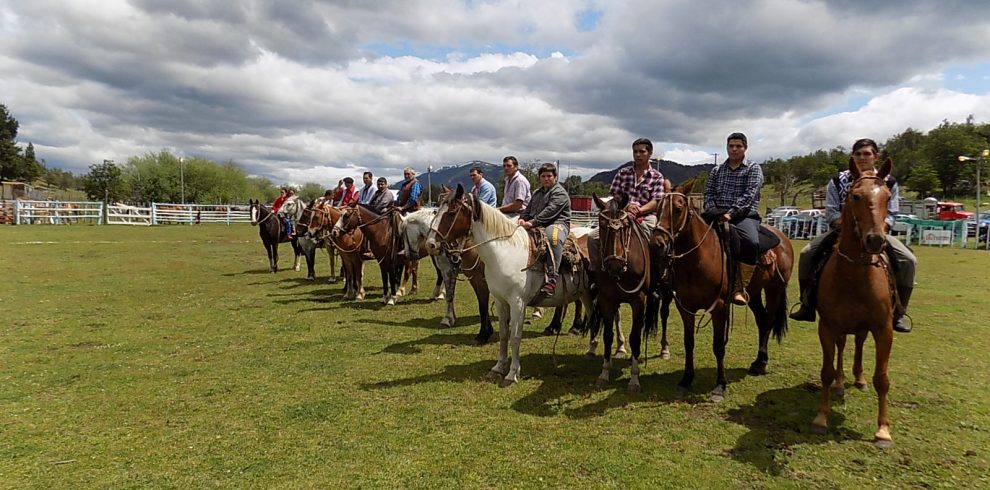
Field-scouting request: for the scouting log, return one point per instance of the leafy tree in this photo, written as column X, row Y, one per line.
column 105, row 182
column 310, row 191
column 924, row 180
column 942, row 149
column 905, row 149
column 14, row 165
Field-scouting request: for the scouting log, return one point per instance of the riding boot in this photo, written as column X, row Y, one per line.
column 806, row 313
column 740, row 297
column 900, row 325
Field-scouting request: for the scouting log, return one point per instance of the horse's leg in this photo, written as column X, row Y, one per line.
column 518, row 313
column 438, row 287
column 839, row 383
column 500, row 367
column 620, row 345
column 274, row 255
column 310, row 263
column 482, row 293
column 386, row 283
column 883, row 339
column 687, row 318
column 759, row 366
column 638, row 314
column 860, row 382
column 555, row 323
column 668, row 296
column 348, row 281
column 579, row 320
column 295, row 255
column 449, row 274
column 272, row 265
column 720, row 338
column 358, row 265
column 608, row 307
column 414, row 271
column 406, row 272
column 332, row 259
column 820, row 424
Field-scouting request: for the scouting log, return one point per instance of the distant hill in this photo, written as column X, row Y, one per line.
column 673, row 171
column 458, row 174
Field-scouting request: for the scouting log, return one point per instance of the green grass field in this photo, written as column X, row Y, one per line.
column 170, row 357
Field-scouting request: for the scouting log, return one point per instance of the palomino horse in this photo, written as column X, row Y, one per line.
column 272, row 233
column 623, row 277
column 699, row 275
column 504, row 248
column 855, row 295
column 348, row 245
column 385, row 241
column 449, row 264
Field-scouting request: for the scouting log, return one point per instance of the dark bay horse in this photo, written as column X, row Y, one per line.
column 272, row 233
column 856, row 296
column 385, row 240
column 622, row 277
column 310, row 241
column 699, row 275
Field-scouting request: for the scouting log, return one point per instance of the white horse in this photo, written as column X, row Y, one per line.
column 504, row 248
column 415, row 228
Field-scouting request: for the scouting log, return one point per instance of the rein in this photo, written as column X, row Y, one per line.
column 865, row 258
column 446, row 240
column 617, row 225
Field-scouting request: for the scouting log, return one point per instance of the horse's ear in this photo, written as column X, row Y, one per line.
column 687, row 187
column 477, row 204
column 885, row 168
column 853, row 168
column 460, row 192
column 622, row 200
column 598, row 201
column 667, row 185
column 444, row 188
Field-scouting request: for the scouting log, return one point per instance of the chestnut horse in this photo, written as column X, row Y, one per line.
column 622, row 277
column 385, row 241
column 855, row 295
column 699, row 274
column 348, row 246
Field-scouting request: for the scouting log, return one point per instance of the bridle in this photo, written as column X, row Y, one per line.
column 466, row 205
column 672, row 236
column 621, row 225
column 864, row 256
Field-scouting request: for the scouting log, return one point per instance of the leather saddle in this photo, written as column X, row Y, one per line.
column 573, row 257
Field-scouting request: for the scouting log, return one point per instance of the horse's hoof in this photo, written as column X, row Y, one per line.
column 589, row 355
column 818, row 429
column 665, row 353
column 550, row 331
column 717, row 397
column 413, row 291
column 332, row 280
column 601, row 384
column 438, row 297
column 493, row 376
column 537, row 314
column 635, row 388
column 481, row 340
column 400, row 292
column 574, row 331
column 838, row 392
column 620, row 354
column 310, row 278
column 505, row 383
column 860, row 386
column 446, row 323
column 757, row 368
column 390, row 302
column 883, row 443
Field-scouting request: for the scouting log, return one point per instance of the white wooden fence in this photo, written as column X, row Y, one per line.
column 64, row 212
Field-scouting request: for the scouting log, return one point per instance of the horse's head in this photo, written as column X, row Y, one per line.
column 350, row 219
column 865, row 209
column 614, row 233
column 453, row 220
column 255, row 211
column 416, row 227
column 675, row 209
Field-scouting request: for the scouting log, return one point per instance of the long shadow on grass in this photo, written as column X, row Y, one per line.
column 779, row 420
column 247, row 272
column 467, row 339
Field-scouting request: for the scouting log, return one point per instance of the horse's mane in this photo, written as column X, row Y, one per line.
column 497, row 224
column 423, row 215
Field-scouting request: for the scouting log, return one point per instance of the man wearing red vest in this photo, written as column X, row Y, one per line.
column 410, row 191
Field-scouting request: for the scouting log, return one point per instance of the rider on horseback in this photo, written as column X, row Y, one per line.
column 813, row 256
column 549, row 208
column 732, row 194
column 287, row 209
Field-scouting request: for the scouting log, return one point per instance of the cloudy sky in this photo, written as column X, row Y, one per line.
column 316, row 90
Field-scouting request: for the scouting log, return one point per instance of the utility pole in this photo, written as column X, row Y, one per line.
column 716, row 158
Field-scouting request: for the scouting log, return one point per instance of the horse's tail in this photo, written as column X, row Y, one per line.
column 594, row 320
column 779, row 321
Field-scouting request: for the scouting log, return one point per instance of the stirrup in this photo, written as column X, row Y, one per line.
column 740, row 298
column 803, row 314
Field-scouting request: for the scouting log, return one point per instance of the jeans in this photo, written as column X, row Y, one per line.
column 556, row 235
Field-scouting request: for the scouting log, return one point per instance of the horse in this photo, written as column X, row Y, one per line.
column 699, row 275
column 347, row 245
column 624, row 277
column 856, row 296
column 449, row 264
column 272, row 233
column 504, row 248
column 385, row 241
column 310, row 241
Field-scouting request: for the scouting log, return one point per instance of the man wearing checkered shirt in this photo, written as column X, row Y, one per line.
column 733, row 194
column 644, row 186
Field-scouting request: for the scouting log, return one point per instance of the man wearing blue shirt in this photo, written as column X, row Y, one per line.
column 482, row 187
column 368, row 190
column 409, row 192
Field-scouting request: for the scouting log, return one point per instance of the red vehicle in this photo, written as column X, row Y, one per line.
column 948, row 211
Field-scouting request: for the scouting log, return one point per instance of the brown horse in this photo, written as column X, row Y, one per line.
column 385, row 241
column 699, row 274
column 623, row 277
column 348, row 245
column 855, row 295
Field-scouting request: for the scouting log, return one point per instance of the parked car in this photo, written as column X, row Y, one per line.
column 809, row 214
column 948, row 211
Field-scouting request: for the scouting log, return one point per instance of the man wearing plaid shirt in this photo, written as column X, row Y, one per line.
column 644, row 186
column 732, row 193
